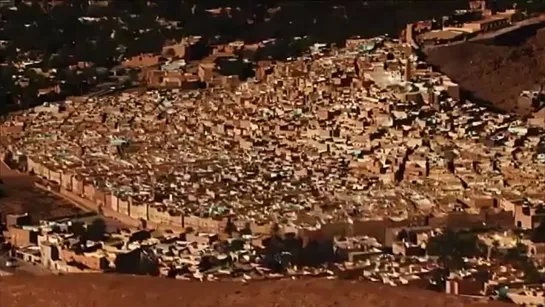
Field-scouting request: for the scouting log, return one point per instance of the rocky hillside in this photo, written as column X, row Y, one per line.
column 494, row 73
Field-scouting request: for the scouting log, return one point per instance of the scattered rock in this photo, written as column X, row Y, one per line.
column 492, row 73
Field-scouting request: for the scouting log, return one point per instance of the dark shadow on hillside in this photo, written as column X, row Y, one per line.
column 515, row 38
column 64, row 41
column 468, row 94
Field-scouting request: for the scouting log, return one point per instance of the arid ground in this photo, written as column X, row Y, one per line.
column 114, row 290
column 495, row 73
column 19, row 195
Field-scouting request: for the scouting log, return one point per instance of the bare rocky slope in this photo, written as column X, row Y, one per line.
column 494, row 73
column 114, row 290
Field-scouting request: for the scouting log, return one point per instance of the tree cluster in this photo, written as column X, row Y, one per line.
column 96, row 231
column 451, row 247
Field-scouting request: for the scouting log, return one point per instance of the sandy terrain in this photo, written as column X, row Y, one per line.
column 115, row 290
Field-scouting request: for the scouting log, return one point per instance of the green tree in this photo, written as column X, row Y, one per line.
column 452, row 246
column 531, row 273
column 515, row 254
column 97, row 230
column 79, row 230
column 230, row 227
column 247, row 230
column 538, row 234
column 275, row 230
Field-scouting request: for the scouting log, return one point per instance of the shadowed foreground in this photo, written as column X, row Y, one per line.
column 115, row 290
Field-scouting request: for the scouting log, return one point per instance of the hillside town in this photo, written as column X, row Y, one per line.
column 362, row 157
column 347, row 162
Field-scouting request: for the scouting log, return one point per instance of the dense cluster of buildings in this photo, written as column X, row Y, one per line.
column 343, row 148
column 481, row 19
column 342, row 135
column 57, row 246
column 224, row 65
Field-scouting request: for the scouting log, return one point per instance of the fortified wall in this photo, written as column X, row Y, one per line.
column 134, row 213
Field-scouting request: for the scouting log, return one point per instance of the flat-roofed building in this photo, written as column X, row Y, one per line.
column 488, row 24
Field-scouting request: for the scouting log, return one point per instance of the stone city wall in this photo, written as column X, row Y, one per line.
column 126, row 210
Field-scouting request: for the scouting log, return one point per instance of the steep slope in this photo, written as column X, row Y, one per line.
column 493, row 73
